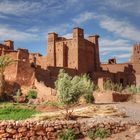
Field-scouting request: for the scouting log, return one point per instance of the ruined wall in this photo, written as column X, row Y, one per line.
column 123, row 73
column 24, row 70
column 11, row 71
column 37, row 59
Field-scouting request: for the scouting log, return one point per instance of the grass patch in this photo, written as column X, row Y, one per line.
column 12, row 113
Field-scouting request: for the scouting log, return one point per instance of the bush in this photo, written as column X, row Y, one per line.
column 71, row 89
column 32, row 94
column 91, row 134
column 68, row 134
column 101, row 133
column 86, row 88
column 89, row 98
column 133, row 89
column 18, row 94
column 109, row 85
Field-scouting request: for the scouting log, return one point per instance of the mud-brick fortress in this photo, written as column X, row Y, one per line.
column 76, row 55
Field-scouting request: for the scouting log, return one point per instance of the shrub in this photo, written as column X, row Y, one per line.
column 32, row 94
column 18, row 94
column 109, row 85
column 71, row 89
column 68, row 134
column 101, row 133
column 133, row 89
column 91, row 134
column 86, row 88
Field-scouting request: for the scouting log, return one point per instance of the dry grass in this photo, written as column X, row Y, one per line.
column 84, row 112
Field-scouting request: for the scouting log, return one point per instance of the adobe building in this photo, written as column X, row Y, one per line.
column 77, row 55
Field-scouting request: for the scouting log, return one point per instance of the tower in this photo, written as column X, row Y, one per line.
column 95, row 39
column 9, row 44
column 136, row 54
column 52, row 37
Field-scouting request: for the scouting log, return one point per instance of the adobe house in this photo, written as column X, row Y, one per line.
column 76, row 55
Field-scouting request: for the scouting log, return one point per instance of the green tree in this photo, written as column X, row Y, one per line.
column 86, row 88
column 5, row 61
column 70, row 89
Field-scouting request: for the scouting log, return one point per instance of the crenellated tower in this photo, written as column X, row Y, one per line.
column 136, row 54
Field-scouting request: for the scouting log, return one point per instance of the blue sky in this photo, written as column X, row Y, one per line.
column 28, row 22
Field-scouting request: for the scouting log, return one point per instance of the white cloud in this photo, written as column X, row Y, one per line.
column 119, row 48
column 114, row 45
column 19, row 7
column 9, row 33
column 60, row 29
column 33, row 30
column 124, row 5
column 127, row 55
column 121, row 28
column 68, row 35
column 83, row 17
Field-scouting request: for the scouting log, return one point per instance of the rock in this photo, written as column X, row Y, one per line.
column 11, row 131
column 49, row 129
column 30, row 133
column 134, row 129
column 137, row 136
column 17, row 136
column 22, row 129
column 33, row 138
column 39, row 138
column 5, row 135
column 51, row 135
column 45, row 138
column 41, row 133
column 2, row 131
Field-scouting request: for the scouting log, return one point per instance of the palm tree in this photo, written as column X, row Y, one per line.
column 5, row 61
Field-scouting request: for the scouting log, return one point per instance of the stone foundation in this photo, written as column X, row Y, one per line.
column 48, row 130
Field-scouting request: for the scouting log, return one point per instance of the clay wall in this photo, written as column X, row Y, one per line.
column 86, row 57
column 60, row 54
column 24, row 71
column 11, row 71
column 136, row 68
column 114, row 68
column 37, row 59
column 123, row 73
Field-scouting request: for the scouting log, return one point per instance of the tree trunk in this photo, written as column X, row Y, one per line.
column 2, row 84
